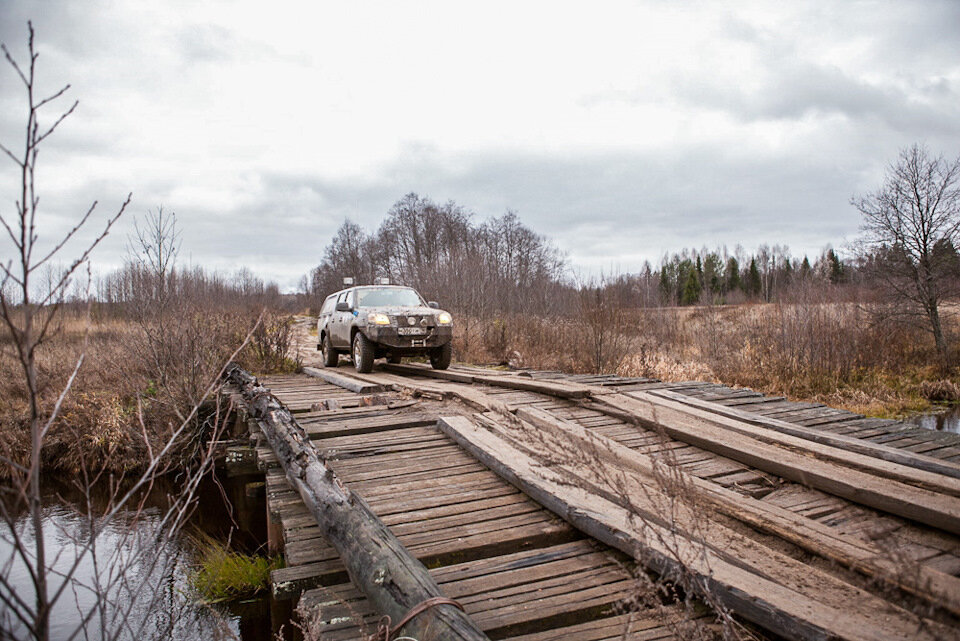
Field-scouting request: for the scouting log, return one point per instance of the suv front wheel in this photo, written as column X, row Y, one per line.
column 362, row 353
column 440, row 357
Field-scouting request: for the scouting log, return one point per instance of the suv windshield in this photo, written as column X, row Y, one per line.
column 388, row 297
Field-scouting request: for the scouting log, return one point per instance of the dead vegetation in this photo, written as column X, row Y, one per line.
column 812, row 350
column 127, row 398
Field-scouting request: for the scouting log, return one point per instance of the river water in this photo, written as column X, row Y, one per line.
column 947, row 420
column 145, row 577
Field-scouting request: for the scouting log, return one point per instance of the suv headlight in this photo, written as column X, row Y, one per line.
column 378, row 319
column 444, row 318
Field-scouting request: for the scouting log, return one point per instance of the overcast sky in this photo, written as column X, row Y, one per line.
column 621, row 130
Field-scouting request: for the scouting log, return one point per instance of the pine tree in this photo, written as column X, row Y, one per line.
column 732, row 275
column 835, row 267
column 691, row 290
column 753, row 284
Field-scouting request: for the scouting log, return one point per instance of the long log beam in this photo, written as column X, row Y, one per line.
column 860, row 446
column 377, row 563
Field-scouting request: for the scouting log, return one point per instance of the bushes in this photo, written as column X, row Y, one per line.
column 153, row 371
column 941, row 391
column 814, row 349
column 271, row 348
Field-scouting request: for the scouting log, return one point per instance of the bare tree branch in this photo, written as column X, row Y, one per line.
column 53, row 97
column 56, row 124
column 68, row 236
column 86, row 253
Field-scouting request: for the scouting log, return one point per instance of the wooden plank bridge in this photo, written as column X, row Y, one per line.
column 589, row 508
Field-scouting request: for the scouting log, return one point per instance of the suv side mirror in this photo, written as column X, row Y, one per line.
column 343, row 307
column 434, row 304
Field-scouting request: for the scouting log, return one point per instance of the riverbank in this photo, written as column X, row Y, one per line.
column 136, row 385
column 124, row 476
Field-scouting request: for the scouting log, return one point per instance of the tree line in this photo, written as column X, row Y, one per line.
column 501, row 266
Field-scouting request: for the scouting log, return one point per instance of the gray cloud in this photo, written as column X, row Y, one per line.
column 798, row 133
column 610, row 210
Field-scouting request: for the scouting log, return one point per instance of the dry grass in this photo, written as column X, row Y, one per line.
column 126, row 397
column 827, row 352
column 97, row 417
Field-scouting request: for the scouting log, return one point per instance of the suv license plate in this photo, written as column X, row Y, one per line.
column 408, row 331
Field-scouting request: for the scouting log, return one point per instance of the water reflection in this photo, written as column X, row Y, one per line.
column 947, row 420
column 133, row 583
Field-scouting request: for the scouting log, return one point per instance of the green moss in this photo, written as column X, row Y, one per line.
column 224, row 575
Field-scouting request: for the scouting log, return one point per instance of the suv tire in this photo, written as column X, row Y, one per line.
column 440, row 357
column 362, row 353
column 330, row 356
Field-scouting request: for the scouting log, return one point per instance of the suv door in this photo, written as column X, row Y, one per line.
column 324, row 320
column 340, row 333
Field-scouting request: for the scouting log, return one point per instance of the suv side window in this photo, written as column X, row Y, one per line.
column 328, row 304
column 342, row 298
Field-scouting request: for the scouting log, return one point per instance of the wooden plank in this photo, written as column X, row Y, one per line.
column 448, row 375
column 940, row 590
column 561, row 390
column 353, row 413
column 344, row 381
column 330, row 429
column 634, row 626
column 900, row 457
column 809, row 463
column 802, row 603
column 755, row 403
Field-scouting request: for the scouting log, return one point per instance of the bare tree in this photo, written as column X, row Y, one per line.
column 28, row 322
column 153, row 249
column 37, row 578
column 912, row 225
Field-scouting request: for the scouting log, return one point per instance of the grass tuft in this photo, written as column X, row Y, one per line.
column 224, row 575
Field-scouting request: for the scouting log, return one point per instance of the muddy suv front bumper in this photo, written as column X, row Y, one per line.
column 387, row 338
